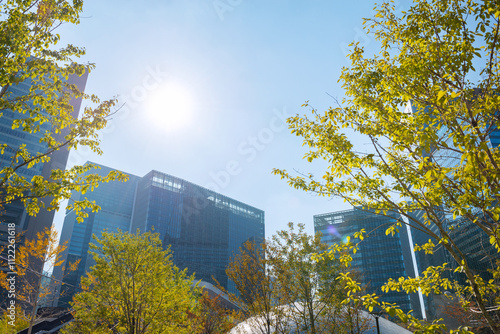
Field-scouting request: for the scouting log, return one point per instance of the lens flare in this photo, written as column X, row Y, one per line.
column 333, row 231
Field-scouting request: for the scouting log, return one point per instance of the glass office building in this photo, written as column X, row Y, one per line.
column 14, row 138
column 468, row 237
column 379, row 257
column 27, row 226
column 116, row 200
column 203, row 228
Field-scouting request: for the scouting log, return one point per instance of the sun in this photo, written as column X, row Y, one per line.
column 170, row 107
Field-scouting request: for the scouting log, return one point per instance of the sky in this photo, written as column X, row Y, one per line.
column 206, row 86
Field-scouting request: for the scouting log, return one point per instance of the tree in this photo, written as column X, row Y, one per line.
column 13, row 321
column 36, row 106
column 310, row 288
column 134, row 288
column 42, row 252
column 213, row 317
column 442, row 57
column 258, row 298
column 282, row 288
column 28, row 57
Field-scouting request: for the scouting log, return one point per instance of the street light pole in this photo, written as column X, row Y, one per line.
column 376, row 315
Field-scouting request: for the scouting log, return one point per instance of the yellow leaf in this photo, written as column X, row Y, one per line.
column 440, row 94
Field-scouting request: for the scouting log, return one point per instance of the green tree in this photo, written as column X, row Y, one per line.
column 13, row 321
column 309, row 288
column 31, row 63
column 442, row 55
column 133, row 288
column 282, row 288
column 28, row 57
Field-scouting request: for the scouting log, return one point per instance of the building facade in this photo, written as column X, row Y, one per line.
column 204, row 229
column 472, row 241
column 116, row 200
column 14, row 214
column 14, row 138
column 468, row 237
column 379, row 257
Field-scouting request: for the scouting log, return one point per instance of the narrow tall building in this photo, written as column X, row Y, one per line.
column 468, row 237
column 14, row 214
column 116, row 200
column 203, row 228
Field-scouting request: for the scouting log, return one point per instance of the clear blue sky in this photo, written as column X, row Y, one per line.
column 207, row 85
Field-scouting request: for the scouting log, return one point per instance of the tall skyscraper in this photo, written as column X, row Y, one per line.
column 116, row 200
column 203, row 228
column 27, row 227
column 15, row 212
column 469, row 238
column 379, row 257
column 472, row 241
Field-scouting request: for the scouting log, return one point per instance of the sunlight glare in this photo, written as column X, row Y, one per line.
column 170, row 107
